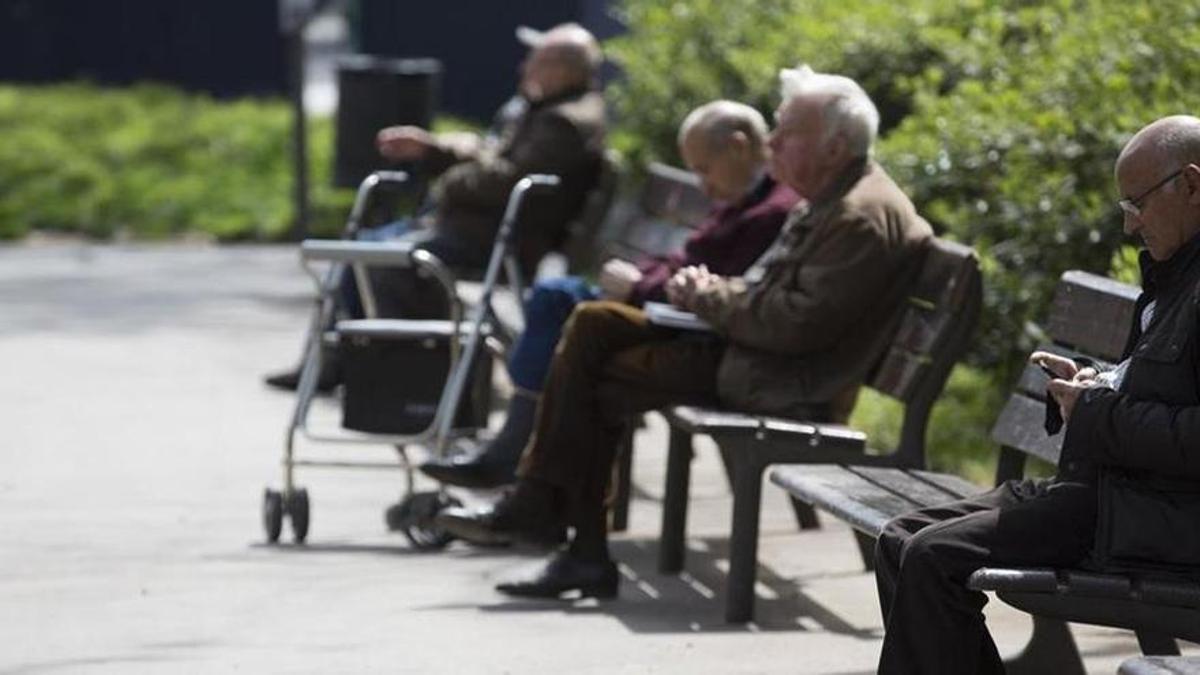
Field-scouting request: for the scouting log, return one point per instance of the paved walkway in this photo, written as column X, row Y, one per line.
column 135, row 441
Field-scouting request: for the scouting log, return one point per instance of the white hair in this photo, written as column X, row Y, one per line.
column 719, row 120
column 849, row 110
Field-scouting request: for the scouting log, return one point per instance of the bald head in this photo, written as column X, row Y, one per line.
column 1173, row 141
column 724, row 144
column 1158, row 176
column 562, row 58
column 717, row 122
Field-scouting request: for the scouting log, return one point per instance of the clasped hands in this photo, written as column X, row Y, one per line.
column 687, row 283
column 1069, row 380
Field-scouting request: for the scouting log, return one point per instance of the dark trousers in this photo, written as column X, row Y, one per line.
column 610, row 364
column 933, row 623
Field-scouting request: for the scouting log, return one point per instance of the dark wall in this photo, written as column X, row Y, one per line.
column 225, row 47
column 472, row 38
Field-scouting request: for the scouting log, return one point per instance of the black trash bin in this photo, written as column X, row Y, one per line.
column 374, row 93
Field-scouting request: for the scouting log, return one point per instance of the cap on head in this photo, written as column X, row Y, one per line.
column 575, row 43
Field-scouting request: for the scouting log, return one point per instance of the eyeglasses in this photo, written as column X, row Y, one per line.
column 1134, row 206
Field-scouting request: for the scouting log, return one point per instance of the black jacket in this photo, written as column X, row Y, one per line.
column 1151, row 426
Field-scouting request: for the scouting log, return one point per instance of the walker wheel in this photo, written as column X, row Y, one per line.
column 272, row 514
column 298, row 510
column 413, row 516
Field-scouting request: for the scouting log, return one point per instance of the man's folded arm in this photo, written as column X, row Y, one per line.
column 553, row 146
column 1116, row 430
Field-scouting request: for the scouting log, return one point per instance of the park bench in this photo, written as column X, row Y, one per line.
column 1090, row 316
column 931, row 336
column 1161, row 665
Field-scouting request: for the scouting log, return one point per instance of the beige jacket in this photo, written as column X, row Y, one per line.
column 810, row 331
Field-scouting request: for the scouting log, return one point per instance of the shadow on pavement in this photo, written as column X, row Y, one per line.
column 691, row 602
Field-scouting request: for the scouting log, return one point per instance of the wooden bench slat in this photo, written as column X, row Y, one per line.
column 1092, row 314
column 913, row 488
column 942, row 292
column 1021, row 426
column 698, row 420
column 863, row 505
column 1161, row 665
column 954, row 484
column 673, row 193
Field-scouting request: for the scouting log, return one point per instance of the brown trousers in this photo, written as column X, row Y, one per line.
column 611, row 363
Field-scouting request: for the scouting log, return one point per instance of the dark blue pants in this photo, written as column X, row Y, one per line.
column 550, row 303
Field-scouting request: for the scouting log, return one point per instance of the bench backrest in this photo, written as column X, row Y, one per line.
column 665, row 211
column 933, row 333
column 1090, row 316
column 583, row 231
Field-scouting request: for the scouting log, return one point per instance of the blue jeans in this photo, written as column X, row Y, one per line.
column 550, row 303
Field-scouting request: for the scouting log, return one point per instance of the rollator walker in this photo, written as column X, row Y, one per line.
column 396, row 414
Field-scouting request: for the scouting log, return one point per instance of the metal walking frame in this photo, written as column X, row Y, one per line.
column 466, row 336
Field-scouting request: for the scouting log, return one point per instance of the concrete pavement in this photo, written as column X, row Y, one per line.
column 136, row 440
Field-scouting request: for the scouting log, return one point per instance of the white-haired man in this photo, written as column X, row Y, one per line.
column 1139, row 423
column 725, row 144
column 792, row 336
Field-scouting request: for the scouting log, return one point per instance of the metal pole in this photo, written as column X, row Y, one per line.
column 296, row 53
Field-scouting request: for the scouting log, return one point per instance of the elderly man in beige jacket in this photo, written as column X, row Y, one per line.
column 795, row 335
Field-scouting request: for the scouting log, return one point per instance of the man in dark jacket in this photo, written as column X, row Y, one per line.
column 558, row 128
column 724, row 143
column 796, row 332
column 1142, row 419
column 555, row 126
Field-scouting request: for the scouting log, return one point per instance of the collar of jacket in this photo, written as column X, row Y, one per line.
column 848, row 178
column 569, row 94
column 1157, row 276
column 761, row 190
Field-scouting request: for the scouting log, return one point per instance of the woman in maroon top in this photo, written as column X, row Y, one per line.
column 724, row 143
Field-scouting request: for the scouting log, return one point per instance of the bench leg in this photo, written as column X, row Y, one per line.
column 620, row 510
column 743, row 541
column 1051, row 649
column 866, row 548
column 729, row 461
column 806, row 516
column 675, row 502
column 1157, row 644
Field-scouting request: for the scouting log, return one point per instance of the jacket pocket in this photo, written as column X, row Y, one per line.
column 1148, row 524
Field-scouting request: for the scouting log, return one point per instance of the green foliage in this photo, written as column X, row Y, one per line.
column 957, row 439
column 1016, row 159
column 152, row 162
column 1001, row 118
column 678, row 55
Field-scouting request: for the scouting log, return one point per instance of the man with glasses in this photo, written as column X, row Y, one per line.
column 1140, row 420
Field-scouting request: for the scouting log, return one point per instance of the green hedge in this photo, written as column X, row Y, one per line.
column 152, row 162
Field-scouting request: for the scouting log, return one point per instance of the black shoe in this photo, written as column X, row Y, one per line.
column 516, row 518
column 469, row 472
column 564, row 572
column 327, row 380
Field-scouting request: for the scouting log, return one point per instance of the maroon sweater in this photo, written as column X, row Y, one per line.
column 727, row 242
